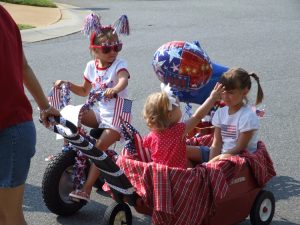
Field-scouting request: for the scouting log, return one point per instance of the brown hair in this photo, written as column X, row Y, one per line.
column 238, row 78
column 156, row 111
column 107, row 35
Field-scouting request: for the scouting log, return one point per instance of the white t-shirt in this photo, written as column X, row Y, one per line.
column 103, row 78
column 232, row 125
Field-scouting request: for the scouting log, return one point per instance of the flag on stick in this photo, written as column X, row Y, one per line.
column 122, row 111
column 134, row 144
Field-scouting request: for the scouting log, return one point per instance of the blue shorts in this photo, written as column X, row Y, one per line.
column 17, row 146
column 205, row 153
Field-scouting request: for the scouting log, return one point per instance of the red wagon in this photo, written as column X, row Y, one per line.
column 224, row 192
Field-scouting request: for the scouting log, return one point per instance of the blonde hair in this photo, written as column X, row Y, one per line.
column 156, row 113
column 238, row 78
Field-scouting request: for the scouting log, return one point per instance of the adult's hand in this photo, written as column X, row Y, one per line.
column 45, row 114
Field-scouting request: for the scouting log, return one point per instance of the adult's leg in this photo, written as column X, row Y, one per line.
column 11, row 201
column 17, row 146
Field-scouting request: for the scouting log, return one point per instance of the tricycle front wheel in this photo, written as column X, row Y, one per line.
column 263, row 209
column 58, row 183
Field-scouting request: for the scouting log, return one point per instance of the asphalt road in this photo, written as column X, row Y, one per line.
column 260, row 36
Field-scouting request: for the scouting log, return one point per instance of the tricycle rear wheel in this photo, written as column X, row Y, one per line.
column 263, row 209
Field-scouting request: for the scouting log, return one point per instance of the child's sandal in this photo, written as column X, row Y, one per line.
column 79, row 194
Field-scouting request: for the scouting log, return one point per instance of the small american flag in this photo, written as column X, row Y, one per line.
column 134, row 144
column 228, row 130
column 259, row 111
column 122, row 111
column 54, row 97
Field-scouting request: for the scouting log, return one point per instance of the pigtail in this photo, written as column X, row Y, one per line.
column 260, row 93
column 92, row 25
column 121, row 26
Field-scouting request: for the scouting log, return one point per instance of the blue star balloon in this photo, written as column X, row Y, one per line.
column 188, row 70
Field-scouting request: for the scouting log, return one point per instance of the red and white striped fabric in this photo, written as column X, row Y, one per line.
column 122, row 111
column 180, row 197
column 261, row 164
column 204, row 140
column 54, row 97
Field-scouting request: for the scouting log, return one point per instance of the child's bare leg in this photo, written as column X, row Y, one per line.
column 190, row 164
column 93, row 175
column 193, row 153
column 89, row 119
column 107, row 138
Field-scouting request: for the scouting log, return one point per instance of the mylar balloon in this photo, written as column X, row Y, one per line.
column 188, row 70
column 185, row 66
column 200, row 95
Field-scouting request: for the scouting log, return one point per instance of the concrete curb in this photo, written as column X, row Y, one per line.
column 71, row 22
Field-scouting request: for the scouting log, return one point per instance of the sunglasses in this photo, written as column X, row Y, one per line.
column 105, row 49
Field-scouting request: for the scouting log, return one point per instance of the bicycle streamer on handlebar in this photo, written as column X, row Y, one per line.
column 112, row 174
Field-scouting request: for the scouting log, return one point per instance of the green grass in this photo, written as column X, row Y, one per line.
column 24, row 26
column 41, row 3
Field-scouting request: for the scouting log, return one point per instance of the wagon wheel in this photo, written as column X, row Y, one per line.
column 117, row 214
column 262, row 211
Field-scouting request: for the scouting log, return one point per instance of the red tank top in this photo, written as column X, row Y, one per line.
column 14, row 105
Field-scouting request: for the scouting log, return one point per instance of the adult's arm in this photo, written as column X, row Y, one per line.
column 32, row 84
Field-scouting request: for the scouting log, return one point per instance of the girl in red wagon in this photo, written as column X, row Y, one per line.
column 106, row 73
column 236, row 124
column 167, row 139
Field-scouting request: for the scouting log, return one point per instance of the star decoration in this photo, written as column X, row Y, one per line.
column 174, row 53
column 175, row 67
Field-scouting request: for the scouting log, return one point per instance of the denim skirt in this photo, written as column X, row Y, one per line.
column 17, row 146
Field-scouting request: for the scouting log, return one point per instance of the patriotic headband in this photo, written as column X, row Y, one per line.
column 171, row 96
column 93, row 27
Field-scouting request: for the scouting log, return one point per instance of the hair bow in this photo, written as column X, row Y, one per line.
column 171, row 96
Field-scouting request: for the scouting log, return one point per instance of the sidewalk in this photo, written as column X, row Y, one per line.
column 49, row 22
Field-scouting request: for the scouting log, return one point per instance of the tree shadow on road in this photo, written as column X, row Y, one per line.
column 284, row 187
column 277, row 222
column 92, row 8
column 90, row 214
column 33, row 200
column 94, row 217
